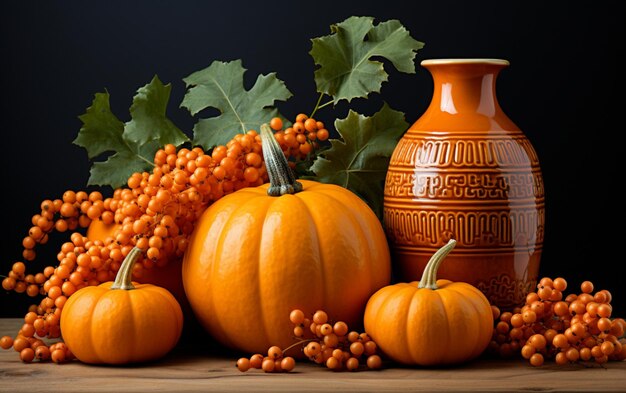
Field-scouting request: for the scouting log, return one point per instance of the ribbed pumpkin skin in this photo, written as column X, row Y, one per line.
column 449, row 325
column 104, row 326
column 253, row 258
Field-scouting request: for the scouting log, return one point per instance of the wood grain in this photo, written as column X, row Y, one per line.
column 186, row 370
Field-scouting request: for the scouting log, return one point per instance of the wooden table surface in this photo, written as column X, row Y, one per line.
column 189, row 370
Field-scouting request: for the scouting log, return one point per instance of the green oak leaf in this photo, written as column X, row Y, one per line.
column 101, row 130
column 220, row 86
column 148, row 119
column 134, row 143
column 116, row 170
column 359, row 160
column 346, row 70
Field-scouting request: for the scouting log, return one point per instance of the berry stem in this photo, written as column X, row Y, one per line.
column 300, row 342
column 429, row 277
column 326, row 104
column 317, row 105
column 282, row 179
column 124, row 275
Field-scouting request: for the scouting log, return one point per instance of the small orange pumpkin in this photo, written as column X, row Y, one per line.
column 120, row 322
column 430, row 322
column 261, row 252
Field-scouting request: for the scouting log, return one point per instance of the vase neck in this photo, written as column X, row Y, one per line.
column 464, row 96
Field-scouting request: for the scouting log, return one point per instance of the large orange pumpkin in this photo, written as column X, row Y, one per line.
column 430, row 322
column 168, row 276
column 254, row 257
column 121, row 322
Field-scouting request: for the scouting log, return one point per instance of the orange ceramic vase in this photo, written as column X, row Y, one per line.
column 465, row 171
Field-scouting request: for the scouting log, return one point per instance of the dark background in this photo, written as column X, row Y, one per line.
column 564, row 89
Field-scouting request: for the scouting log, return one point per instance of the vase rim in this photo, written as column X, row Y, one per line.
column 500, row 62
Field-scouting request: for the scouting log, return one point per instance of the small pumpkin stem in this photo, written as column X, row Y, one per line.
column 124, row 275
column 282, row 179
column 429, row 277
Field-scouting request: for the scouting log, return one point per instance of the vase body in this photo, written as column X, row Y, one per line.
column 465, row 171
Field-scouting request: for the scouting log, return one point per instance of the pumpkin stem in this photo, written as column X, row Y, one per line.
column 429, row 277
column 282, row 179
column 124, row 275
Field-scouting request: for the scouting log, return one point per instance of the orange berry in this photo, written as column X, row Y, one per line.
column 322, row 134
column 310, row 125
column 298, row 127
column 276, row 124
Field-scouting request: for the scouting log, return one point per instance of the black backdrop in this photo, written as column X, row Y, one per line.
column 564, row 89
